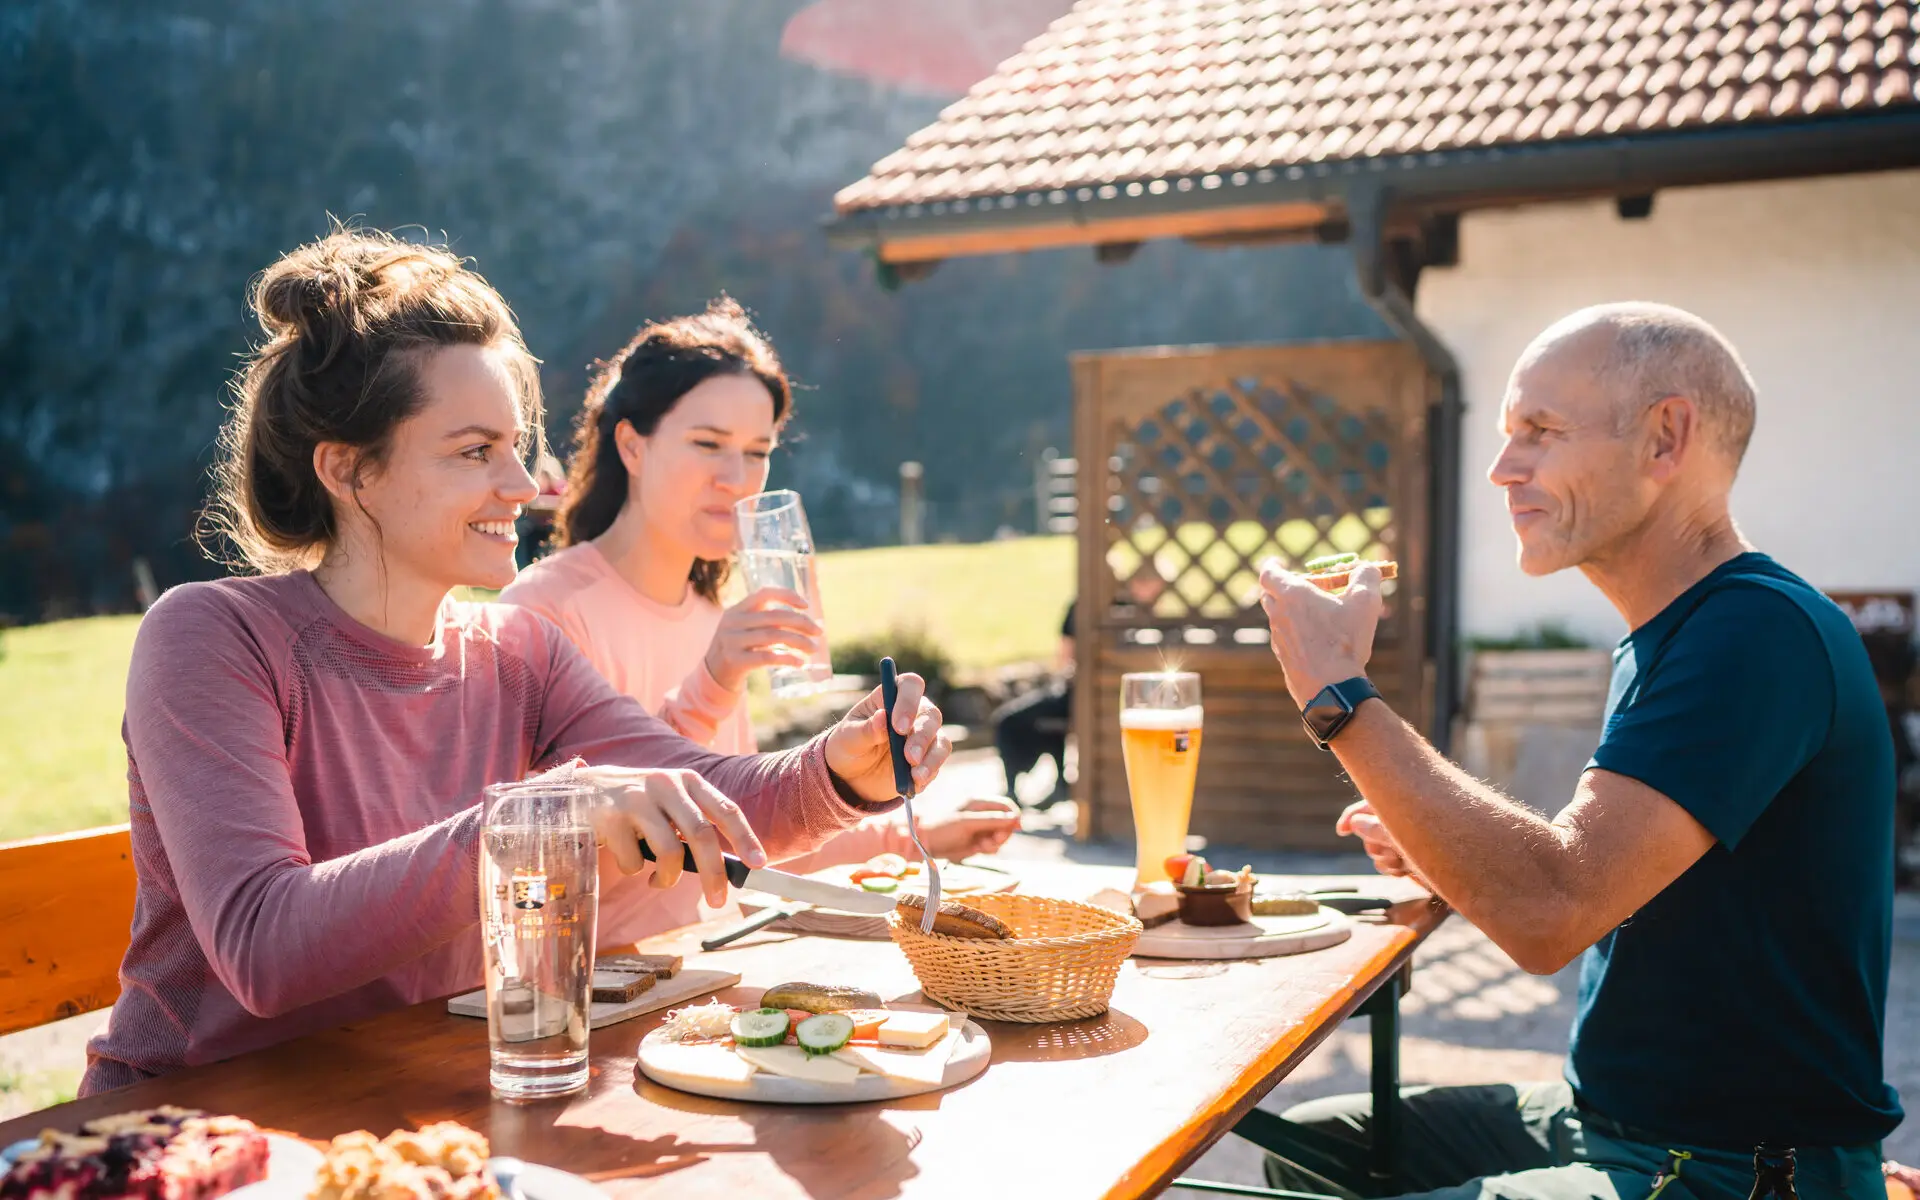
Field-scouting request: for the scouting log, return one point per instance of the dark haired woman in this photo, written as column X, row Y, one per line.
column 307, row 748
column 677, row 427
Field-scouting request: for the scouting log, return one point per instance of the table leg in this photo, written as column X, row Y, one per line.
column 1279, row 1136
column 1383, row 1018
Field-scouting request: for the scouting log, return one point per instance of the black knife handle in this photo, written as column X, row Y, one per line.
column 753, row 924
column 736, row 870
column 896, row 742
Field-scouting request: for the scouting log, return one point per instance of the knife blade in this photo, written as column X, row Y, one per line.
column 788, row 887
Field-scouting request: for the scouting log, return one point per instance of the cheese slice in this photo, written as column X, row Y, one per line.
column 927, row 1066
column 795, row 1063
column 916, row 1030
column 711, row 1061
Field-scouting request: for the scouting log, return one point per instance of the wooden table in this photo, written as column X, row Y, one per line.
column 1111, row 1106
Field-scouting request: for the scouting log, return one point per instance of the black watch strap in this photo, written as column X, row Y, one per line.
column 1329, row 712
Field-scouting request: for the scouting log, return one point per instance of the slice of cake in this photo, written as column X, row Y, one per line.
column 158, row 1154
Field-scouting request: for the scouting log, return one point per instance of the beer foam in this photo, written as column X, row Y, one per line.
column 1171, row 719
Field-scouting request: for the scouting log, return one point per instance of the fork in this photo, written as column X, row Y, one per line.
column 903, row 783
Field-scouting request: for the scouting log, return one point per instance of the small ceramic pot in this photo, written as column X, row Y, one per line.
column 1218, row 904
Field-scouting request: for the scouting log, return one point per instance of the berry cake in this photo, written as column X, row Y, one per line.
column 159, row 1154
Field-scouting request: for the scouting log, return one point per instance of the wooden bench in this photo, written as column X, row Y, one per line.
column 66, row 915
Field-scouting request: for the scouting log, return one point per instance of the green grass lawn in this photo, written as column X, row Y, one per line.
column 62, row 691
column 987, row 604
column 62, row 686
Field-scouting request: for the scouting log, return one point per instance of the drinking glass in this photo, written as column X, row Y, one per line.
column 539, row 900
column 1161, row 719
column 776, row 550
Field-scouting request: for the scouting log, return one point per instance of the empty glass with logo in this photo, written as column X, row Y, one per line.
column 539, row 900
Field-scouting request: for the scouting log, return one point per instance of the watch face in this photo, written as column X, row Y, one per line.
column 1324, row 715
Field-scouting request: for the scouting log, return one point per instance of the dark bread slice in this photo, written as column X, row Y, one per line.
column 660, row 966
column 617, row 986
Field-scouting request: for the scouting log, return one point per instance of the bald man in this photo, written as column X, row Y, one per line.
column 1724, row 867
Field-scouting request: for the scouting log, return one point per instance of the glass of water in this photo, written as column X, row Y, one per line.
column 539, row 900
column 776, row 550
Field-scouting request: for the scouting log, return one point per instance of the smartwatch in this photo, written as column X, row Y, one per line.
column 1328, row 713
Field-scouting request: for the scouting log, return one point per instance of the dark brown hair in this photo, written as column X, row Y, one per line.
column 349, row 320
column 640, row 385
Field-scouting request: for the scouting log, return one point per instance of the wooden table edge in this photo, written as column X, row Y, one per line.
column 1164, row 1163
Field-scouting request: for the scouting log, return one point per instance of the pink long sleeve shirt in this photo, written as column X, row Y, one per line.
column 657, row 654
column 304, row 794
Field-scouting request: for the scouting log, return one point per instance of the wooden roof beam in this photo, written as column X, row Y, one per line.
column 1252, row 219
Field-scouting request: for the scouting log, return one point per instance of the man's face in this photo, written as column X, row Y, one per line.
column 1575, row 482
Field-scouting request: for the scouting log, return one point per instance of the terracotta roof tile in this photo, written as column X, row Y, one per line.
column 1156, row 92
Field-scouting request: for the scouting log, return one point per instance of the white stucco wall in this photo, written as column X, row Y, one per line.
column 1816, row 282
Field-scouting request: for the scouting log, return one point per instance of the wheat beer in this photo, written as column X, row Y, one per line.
column 1160, row 728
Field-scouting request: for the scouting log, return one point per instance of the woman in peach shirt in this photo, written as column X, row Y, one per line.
column 677, row 428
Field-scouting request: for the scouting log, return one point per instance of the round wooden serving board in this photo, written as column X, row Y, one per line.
column 1266, row 937
column 969, row 1058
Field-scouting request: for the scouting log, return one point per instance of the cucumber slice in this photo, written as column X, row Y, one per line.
column 1329, row 560
column 880, row 883
column 761, row 1027
column 824, row 1033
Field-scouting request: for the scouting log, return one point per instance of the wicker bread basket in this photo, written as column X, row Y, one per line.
column 1059, row 965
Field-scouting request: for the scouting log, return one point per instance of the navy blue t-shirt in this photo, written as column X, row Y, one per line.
column 1747, row 1001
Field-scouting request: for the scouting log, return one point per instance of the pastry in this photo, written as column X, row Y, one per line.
column 953, row 919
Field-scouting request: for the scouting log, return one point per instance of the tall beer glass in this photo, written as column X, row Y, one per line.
column 539, row 904
column 776, row 550
column 1160, row 725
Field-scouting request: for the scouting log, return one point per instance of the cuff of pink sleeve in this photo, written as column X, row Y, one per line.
column 819, row 777
column 699, row 704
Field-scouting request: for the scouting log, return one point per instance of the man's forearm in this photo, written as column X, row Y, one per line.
column 1506, row 869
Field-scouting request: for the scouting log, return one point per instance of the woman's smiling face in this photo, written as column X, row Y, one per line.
column 440, row 509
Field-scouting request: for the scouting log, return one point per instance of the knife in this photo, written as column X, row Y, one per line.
column 790, row 887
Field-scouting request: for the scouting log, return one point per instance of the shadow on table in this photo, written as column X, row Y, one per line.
column 812, row 1144
column 1065, row 1041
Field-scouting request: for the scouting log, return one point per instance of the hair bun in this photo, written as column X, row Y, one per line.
column 345, row 286
column 312, row 294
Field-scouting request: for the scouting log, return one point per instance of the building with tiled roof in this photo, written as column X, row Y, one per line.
column 1492, row 165
column 1136, row 114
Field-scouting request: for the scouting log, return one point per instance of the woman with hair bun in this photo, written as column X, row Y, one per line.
column 677, row 428
column 307, row 747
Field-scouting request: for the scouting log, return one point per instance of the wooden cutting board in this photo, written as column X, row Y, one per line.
column 1266, row 937
column 665, row 993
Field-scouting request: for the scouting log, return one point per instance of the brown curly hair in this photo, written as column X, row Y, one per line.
column 663, row 362
column 349, row 320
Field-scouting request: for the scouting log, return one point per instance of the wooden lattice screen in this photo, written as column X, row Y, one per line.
column 1202, row 463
